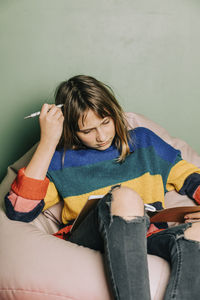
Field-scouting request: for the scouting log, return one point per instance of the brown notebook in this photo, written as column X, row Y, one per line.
column 175, row 214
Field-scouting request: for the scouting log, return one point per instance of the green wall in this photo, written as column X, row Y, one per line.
column 146, row 50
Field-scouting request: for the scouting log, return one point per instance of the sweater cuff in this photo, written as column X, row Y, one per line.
column 30, row 188
column 196, row 195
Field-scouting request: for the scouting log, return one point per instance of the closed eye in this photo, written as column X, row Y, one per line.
column 86, row 132
column 106, row 121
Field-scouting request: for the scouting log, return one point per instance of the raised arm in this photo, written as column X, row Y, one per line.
column 26, row 198
column 51, row 125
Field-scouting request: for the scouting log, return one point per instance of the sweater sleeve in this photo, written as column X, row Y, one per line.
column 28, row 197
column 185, row 178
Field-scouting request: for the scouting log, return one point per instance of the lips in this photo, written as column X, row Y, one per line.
column 103, row 144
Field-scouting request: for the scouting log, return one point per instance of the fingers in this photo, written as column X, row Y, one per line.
column 192, row 220
column 45, row 108
column 195, row 215
column 51, row 124
column 51, row 110
column 192, row 217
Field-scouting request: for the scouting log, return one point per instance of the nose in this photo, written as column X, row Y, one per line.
column 100, row 135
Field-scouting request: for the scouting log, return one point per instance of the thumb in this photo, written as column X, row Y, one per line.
column 195, row 215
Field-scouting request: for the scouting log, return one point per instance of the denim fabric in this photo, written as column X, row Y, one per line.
column 184, row 258
column 124, row 247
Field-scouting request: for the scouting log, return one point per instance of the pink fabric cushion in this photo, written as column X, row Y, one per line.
column 38, row 266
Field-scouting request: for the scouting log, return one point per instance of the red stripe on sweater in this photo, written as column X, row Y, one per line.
column 30, row 188
column 153, row 232
column 62, row 233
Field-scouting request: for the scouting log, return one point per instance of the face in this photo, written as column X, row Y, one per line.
column 95, row 132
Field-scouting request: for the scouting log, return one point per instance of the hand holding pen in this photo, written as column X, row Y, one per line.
column 35, row 114
column 51, row 123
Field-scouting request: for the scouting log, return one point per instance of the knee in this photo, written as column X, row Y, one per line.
column 193, row 232
column 126, row 203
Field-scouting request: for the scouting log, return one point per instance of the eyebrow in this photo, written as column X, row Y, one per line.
column 88, row 129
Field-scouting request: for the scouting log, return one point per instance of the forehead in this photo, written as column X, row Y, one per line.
column 89, row 120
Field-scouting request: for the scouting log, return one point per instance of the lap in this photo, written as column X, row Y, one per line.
column 88, row 234
column 161, row 243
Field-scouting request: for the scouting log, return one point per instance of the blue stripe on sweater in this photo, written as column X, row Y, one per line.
column 144, row 138
column 140, row 138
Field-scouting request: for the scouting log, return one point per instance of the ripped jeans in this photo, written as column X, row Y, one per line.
column 124, row 247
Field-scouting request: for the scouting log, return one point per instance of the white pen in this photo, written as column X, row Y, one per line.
column 149, row 207
column 35, row 114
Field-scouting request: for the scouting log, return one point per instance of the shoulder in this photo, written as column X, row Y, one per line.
column 142, row 137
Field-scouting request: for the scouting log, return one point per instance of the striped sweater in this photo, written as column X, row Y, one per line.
column 152, row 168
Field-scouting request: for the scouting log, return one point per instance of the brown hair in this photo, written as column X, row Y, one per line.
column 80, row 93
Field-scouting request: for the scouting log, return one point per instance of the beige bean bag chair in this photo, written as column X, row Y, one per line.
column 35, row 265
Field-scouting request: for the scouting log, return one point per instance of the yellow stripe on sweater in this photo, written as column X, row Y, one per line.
column 52, row 197
column 149, row 187
column 179, row 173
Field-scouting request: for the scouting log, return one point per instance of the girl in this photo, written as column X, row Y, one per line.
column 86, row 149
